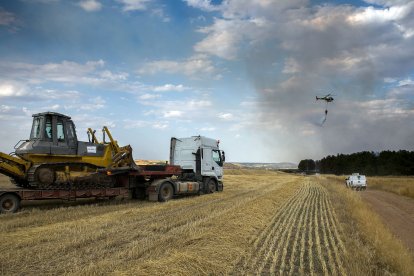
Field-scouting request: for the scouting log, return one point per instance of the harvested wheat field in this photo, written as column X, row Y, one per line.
column 263, row 223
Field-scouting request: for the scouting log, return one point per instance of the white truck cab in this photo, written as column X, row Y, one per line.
column 200, row 159
column 356, row 181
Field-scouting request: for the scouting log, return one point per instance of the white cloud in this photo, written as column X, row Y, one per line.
column 12, row 111
column 149, row 96
column 108, row 75
column 52, row 107
column 378, row 15
column 205, row 5
column 407, row 81
column 291, row 66
column 83, row 120
column 397, row 13
column 389, row 80
column 95, row 103
column 223, row 39
column 184, row 104
column 134, row 124
column 170, row 87
column 7, row 18
column 92, row 104
column 128, row 124
column 226, row 116
column 10, row 89
column 41, row 1
column 160, row 125
column 255, row 8
column 173, row 114
column 10, row 21
column 227, row 37
column 5, row 108
column 90, row 5
column 134, row 5
column 207, row 129
column 195, row 104
column 193, row 66
column 182, row 110
column 161, row 14
column 18, row 91
column 51, row 94
column 387, row 3
column 386, row 108
column 403, row 92
column 66, row 71
column 344, row 63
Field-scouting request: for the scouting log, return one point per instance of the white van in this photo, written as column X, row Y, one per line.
column 356, row 181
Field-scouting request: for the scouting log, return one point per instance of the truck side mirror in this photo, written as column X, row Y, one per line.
column 223, row 156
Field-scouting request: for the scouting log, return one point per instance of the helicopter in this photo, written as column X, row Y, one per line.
column 328, row 98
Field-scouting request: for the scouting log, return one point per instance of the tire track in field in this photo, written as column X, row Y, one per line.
column 303, row 237
column 264, row 239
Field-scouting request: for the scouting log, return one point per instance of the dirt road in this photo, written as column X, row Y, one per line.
column 397, row 212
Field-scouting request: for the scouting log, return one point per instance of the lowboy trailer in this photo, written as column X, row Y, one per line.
column 54, row 164
column 155, row 182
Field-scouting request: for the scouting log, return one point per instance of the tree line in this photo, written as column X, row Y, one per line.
column 368, row 163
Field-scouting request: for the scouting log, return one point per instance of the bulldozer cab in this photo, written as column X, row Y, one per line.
column 52, row 133
column 53, row 127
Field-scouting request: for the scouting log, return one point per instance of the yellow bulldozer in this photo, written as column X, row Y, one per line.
column 53, row 158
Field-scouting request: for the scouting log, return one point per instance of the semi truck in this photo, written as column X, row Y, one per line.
column 53, row 164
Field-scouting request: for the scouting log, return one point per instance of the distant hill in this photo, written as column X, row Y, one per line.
column 233, row 165
column 268, row 166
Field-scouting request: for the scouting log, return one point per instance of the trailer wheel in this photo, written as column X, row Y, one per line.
column 9, row 203
column 166, row 192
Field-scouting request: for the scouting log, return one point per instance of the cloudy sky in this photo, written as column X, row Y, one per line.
column 242, row 71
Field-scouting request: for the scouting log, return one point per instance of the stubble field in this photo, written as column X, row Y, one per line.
column 263, row 223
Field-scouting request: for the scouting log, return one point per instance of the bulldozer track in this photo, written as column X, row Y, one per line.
column 91, row 180
column 303, row 237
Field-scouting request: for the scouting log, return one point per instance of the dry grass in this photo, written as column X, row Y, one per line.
column 372, row 249
column 264, row 222
column 398, row 185
column 183, row 236
column 303, row 237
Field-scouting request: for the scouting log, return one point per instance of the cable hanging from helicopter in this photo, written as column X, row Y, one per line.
column 327, row 98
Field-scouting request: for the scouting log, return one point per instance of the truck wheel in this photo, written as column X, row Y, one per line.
column 166, row 192
column 211, row 186
column 9, row 203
